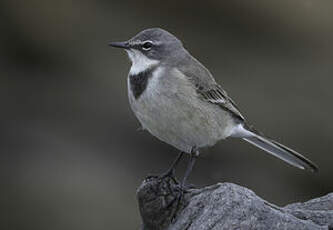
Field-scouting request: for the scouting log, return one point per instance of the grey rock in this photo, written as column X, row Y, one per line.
column 225, row 206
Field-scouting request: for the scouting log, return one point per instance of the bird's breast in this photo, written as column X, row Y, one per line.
column 138, row 82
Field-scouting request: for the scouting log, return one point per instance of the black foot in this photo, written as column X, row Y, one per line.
column 169, row 174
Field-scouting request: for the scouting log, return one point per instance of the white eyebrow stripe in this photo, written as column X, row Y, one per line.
column 135, row 43
column 142, row 42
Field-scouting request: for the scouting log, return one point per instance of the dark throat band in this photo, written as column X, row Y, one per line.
column 139, row 81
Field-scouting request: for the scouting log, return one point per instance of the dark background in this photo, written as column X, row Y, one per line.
column 71, row 157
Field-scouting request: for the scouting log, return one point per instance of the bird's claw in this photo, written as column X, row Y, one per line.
column 169, row 174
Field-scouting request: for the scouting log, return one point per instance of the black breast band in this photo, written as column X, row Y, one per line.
column 139, row 82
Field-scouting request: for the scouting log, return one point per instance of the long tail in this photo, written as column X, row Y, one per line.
column 276, row 149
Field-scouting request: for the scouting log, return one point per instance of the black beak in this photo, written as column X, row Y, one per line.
column 123, row 45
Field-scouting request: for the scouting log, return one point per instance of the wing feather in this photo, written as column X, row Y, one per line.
column 217, row 95
column 206, row 86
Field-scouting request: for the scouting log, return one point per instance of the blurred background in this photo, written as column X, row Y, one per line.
column 70, row 153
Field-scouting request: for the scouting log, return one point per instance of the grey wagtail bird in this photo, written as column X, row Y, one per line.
column 178, row 101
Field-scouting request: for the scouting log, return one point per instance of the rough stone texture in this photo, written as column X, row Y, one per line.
column 225, row 206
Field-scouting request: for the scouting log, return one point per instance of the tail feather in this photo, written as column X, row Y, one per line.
column 280, row 151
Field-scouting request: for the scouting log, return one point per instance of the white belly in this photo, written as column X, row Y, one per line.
column 170, row 109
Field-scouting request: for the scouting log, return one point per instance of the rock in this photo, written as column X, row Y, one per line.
column 225, row 206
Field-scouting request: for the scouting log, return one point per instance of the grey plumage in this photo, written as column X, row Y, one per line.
column 181, row 103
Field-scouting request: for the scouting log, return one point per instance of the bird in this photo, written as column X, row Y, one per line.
column 177, row 100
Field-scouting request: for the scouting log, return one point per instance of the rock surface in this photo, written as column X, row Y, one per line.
column 225, row 206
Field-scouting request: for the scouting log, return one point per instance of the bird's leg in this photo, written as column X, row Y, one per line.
column 193, row 157
column 171, row 171
column 183, row 185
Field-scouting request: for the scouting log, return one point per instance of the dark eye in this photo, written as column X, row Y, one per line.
column 147, row 45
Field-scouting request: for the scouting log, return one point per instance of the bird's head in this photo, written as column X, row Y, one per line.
column 153, row 45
